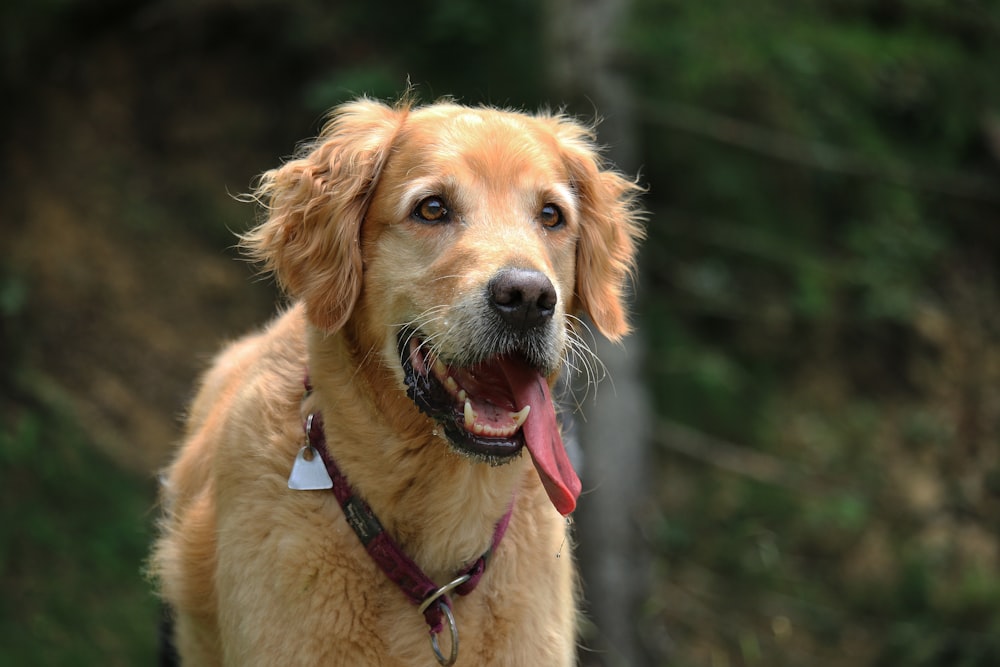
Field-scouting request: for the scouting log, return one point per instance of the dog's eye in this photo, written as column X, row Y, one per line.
column 551, row 217
column 431, row 209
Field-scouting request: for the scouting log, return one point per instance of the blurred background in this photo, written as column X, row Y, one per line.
column 796, row 461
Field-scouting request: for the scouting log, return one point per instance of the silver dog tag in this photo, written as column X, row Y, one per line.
column 309, row 474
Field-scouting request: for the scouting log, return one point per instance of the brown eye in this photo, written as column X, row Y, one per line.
column 551, row 217
column 431, row 209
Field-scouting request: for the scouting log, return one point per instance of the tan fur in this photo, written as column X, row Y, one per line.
column 258, row 574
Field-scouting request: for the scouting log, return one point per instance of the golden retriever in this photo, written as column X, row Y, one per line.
column 437, row 257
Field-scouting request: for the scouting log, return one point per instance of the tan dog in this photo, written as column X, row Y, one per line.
column 436, row 256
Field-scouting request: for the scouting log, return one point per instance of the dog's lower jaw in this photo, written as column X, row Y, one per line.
column 486, row 428
column 494, row 451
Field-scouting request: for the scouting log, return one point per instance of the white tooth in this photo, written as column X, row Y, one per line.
column 450, row 384
column 462, row 396
column 478, row 429
column 439, row 367
column 520, row 417
column 470, row 415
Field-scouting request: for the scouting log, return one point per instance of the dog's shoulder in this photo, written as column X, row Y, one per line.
column 260, row 357
column 251, row 381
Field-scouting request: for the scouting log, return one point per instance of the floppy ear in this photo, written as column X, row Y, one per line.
column 315, row 204
column 610, row 229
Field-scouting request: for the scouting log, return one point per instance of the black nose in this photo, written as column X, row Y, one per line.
column 524, row 298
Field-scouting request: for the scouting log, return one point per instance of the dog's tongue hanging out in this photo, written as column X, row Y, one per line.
column 542, row 436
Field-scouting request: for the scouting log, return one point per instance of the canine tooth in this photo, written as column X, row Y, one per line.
column 470, row 415
column 450, row 384
column 439, row 367
column 520, row 416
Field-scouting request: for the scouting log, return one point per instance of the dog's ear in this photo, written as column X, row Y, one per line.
column 610, row 229
column 314, row 207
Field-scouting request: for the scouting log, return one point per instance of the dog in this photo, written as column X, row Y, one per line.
column 352, row 487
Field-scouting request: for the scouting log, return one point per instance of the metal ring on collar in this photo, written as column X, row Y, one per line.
column 448, row 616
column 443, row 590
column 450, row 660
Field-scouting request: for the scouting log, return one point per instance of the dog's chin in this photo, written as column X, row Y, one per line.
column 473, row 406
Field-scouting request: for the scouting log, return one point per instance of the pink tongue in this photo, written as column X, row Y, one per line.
column 542, row 436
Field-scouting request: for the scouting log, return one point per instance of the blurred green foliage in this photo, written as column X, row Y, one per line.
column 76, row 532
column 825, row 257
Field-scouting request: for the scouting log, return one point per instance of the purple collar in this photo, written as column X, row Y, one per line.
column 433, row 600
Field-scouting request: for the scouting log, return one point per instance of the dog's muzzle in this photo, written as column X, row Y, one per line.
column 495, row 399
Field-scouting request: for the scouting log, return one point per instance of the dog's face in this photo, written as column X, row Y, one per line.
column 470, row 238
column 455, row 246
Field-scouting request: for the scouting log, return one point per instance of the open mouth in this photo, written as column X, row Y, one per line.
column 475, row 405
column 491, row 410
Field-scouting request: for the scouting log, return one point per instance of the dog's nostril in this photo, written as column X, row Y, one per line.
column 525, row 298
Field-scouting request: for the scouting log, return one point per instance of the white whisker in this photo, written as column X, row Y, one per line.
column 420, row 325
column 580, row 357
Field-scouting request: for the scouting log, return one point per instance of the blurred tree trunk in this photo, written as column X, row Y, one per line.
column 615, row 429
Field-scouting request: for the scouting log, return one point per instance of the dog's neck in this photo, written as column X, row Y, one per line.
column 440, row 506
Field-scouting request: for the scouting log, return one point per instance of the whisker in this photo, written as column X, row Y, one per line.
column 450, row 276
column 364, row 361
column 423, row 318
column 581, row 358
column 420, row 325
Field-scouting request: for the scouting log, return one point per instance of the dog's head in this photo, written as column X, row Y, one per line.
column 456, row 246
